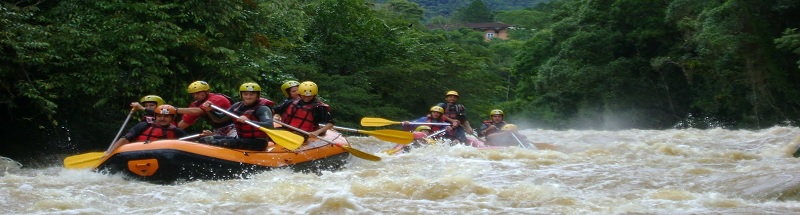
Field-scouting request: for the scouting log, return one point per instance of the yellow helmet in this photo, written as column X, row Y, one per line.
column 166, row 110
column 437, row 109
column 496, row 112
column 510, row 127
column 422, row 128
column 308, row 88
column 152, row 98
column 451, row 93
column 249, row 87
column 287, row 85
column 198, row 86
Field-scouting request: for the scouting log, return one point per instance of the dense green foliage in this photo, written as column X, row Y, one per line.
column 447, row 8
column 655, row 64
column 69, row 69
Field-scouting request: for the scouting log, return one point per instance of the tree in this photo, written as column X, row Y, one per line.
column 477, row 11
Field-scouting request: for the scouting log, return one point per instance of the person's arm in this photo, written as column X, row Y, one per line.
column 322, row 129
column 280, row 109
column 484, row 130
column 322, row 116
column 137, row 106
column 188, row 118
column 452, row 121
column 468, row 127
column 134, row 132
column 264, row 115
column 217, row 116
column 180, row 133
column 190, row 110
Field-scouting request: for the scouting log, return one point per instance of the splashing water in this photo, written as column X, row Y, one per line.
column 686, row 171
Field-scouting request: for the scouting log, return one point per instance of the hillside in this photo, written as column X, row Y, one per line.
column 447, row 7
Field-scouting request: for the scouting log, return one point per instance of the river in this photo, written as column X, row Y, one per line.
column 678, row 171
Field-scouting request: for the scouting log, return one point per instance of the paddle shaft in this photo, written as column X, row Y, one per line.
column 303, row 131
column 520, row 142
column 374, row 122
column 428, row 123
column 436, row 133
column 110, row 146
column 354, row 152
column 251, row 123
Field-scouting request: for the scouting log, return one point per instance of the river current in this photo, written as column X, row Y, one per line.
column 678, row 171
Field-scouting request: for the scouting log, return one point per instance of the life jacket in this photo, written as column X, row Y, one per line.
column 435, row 128
column 206, row 117
column 245, row 130
column 452, row 111
column 499, row 126
column 302, row 117
column 157, row 132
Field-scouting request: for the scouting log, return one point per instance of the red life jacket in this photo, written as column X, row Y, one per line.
column 245, row 130
column 435, row 128
column 157, row 132
column 302, row 117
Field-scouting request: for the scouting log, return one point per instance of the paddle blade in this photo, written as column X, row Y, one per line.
column 392, row 151
column 395, row 136
column 83, row 161
column 360, row 154
column 286, row 139
column 376, row 122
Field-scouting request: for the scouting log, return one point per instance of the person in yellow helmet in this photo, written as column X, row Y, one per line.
column 456, row 113
column 308, row 112
column 435, row 115
column 148, row 104
column 200, row 90
column 493, row 125
column 252, row 108
column 289, row 89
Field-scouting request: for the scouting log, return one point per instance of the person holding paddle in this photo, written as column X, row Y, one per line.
column 161, row 128
column 200, row 92
column 436, row 115
column 148, row 104
column 308, row 112
column 252, row 108
column 493, row 125
column 457, row 115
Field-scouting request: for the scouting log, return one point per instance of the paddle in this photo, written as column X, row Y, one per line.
column 436, row 133
column 92, row 159
column 354, row 152
column 522, row 145
column 376, row 122
column 286, row 139
column 395, row 136
column 111, row 146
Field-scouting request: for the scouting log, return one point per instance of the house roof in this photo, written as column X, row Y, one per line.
column 476, row 26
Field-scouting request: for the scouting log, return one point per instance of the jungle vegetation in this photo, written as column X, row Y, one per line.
column 69, row 69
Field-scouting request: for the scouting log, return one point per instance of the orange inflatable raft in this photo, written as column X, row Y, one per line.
column 167, row 161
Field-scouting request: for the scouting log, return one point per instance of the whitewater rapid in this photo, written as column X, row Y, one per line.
column 677, row 171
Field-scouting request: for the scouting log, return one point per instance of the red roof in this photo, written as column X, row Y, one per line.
column 476, row 26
